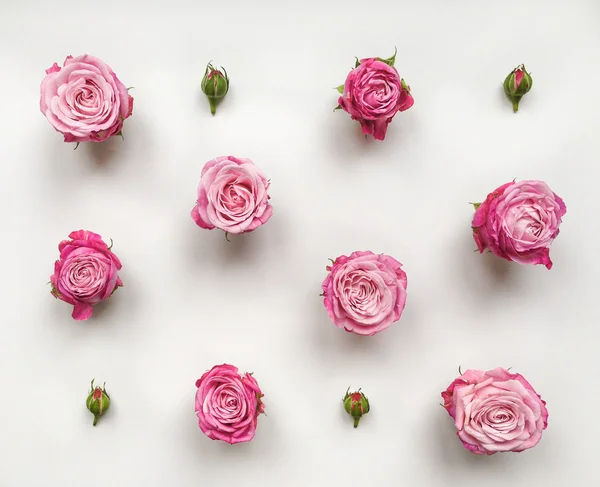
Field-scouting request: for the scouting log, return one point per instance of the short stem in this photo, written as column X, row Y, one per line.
column 213, row 105
column 95, row 420
column 515, row 106
column 356, row 420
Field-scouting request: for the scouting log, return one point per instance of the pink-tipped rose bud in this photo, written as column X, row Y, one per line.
column 98, row 401
column 373, row 93
column 356, row 405
column 86, row 272
column 215, row 85
column 518, row 222
column 517, row 84
column 495, row 411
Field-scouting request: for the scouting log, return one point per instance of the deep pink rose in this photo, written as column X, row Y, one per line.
column 365, row 293
column 84, row 100
column 373, row 94
column 519, row 221
column 232, row 196
column 228, row 404
column 86, row 272
column 495, row 411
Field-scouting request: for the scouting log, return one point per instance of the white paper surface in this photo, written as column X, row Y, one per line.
column 192, row 300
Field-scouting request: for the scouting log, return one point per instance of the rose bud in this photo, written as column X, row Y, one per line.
column 98, row 401
column 356, row 404
column 516, row 84
column 215, row 85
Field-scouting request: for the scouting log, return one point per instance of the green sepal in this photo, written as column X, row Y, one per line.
column 476, row 205
column 337, row 108
column 391, row 60
column 340, row 89
column 55, row 292
column 357, row 64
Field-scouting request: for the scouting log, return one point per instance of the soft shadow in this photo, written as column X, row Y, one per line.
column 330, row 341
column 345, row 140
column 264, row 447
column 104, row 152
column 450, row 455
column 215, row 248
column 483, row 274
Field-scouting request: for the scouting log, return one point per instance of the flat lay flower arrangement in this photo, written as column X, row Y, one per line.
column 364, row 292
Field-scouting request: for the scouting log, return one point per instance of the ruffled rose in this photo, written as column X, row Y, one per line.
column 519, row 221
column 86, row 272
column 495, row 411
column 365, row 293
column 84, row 100
column 232, row 196
column 373, row 94
column 228, row 404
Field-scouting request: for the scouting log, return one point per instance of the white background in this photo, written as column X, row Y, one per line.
column 192, row 300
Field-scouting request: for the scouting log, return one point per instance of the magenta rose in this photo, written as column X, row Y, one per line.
column 84, row 100
column 519, row 221
column 365, row 293
column 373, row 93
column 232, row 196
column 86, row 272
column 228, row 404
column 495, row 411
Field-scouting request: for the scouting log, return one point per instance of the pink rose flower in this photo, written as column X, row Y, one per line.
column 84, row 100
column 495, row 411
column 519, row 221
column 86, row 272
column 373, row 94
column 364, row 293
column 228, row 404
column 232, row 196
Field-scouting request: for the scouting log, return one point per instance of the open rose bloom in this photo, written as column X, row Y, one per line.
column 373, row 93
column 86, row 272
column 84, row 100
column 232, row 196
column 365, row 292
column 495, row 411
column 519, row 221
column 228, row 404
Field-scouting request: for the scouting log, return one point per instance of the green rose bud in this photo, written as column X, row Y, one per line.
column 215, row 85
column 516, row 84
column 356, row 404
column 98, row 401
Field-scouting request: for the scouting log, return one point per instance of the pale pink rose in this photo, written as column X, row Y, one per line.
column 519, row 221
column 373, row 94
column 232, row 196
column 84, row 100
column 364, row 293
column 86, row 272
column 228, row 404
column 495, row 411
